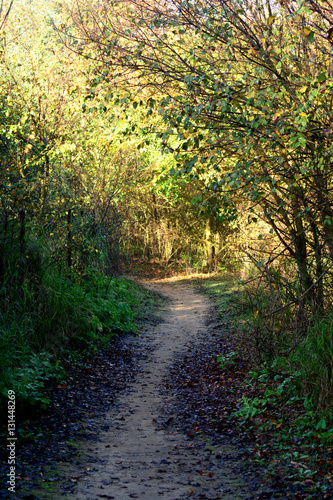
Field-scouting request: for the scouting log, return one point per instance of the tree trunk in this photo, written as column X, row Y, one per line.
column 45, row 186
column 69, row 238
column 210, row 248
column 300, row 245
column 22, row 231
column 319, row 300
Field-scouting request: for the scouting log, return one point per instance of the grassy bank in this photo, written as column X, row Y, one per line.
column 57, row 318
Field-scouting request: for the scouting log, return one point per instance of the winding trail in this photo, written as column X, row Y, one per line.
column 140, row 458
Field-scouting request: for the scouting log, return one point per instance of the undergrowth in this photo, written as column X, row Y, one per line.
column 286, row 404
column 48, row 312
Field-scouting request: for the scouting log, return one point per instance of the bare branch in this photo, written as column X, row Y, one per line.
column 3, row 21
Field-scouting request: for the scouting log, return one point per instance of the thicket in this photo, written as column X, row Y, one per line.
column 243, row 92
column 100, row 103
column 81, row 192
column 60, row 227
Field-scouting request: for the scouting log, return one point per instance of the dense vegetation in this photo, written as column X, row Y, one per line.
column 198, row 134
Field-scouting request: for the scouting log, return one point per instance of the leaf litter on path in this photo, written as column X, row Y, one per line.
column 141, row 437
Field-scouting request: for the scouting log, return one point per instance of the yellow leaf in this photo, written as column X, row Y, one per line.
column 303, row 89
column 270, row 20
column 307, row 31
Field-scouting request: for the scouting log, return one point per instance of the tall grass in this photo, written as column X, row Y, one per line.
column 313, row 360
column 44, row 308
column 293, row 338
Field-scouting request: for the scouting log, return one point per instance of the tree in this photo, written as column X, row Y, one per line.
column 244, row 90
column 48, row 157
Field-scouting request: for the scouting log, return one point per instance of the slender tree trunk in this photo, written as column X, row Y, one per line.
column 300, row 245
column 22, row 244
column 45, row 186
column 324, row 204
column 301, row 256
column 154, row 207
column 319, row 300
column 210, row 249
column 218, row 244
column 22, row 231
column 69, row 238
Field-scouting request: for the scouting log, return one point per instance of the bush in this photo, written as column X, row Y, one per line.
column 313, row 358
column 302, row 349
column 44, row 309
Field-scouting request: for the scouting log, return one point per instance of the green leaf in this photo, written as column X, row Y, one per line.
column 322, row 77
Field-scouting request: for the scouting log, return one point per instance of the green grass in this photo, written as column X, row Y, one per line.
column 47, row 312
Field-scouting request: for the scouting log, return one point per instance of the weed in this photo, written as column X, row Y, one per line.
column 227, row 360
column 49, row 311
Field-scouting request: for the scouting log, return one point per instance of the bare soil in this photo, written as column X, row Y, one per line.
column 142, row 455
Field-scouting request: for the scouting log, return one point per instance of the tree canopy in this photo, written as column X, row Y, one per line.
column 244, row 95
column 196, row 133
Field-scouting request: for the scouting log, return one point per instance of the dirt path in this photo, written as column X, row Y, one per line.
column 138, row 457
